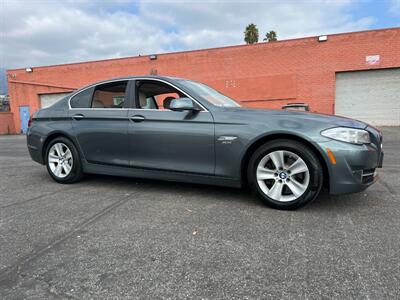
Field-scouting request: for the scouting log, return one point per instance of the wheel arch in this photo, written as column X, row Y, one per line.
column 255, row 144
column 54, row 135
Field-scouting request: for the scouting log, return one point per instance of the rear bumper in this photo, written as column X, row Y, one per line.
column 35, row 146
column 36, row 155
column 355, row 168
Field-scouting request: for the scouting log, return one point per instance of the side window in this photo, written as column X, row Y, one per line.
column 156, row 95
column 83, row 99
column 163, row 100
column 148, row 102
column 109, row 95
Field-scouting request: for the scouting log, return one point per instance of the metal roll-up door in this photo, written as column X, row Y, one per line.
column 47, row 100
column 372, row 96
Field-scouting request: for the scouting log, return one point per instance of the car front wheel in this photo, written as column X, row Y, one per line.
column 62, row 161
column 285, row 174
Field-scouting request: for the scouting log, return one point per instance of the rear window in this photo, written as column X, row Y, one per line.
column 106, row 95
column 82, row 99
column 109, row 95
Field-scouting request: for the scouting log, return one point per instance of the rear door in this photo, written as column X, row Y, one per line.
column 100, row 123
column 161, row 139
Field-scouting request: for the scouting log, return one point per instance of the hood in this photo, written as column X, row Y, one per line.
column 329, row 120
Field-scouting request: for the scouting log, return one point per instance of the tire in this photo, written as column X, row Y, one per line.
column 285, row 185
column 64, row 167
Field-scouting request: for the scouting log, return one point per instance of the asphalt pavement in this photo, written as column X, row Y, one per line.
column 126, row 238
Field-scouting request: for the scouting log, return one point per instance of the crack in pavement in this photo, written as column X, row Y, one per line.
column 38, row 197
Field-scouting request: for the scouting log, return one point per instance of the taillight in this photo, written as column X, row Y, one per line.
column 30, row 121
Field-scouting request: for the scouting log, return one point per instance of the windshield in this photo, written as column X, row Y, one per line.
column 211, row 95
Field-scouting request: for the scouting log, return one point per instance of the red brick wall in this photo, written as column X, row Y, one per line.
column 28, row 94
column 265, row 75
column 6, row 123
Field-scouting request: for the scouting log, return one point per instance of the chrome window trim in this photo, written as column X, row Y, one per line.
column 123, row 108
column 94, row 85
column 152, row 109
column 98, row 108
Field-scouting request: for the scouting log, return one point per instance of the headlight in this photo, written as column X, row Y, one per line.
column 348, row 135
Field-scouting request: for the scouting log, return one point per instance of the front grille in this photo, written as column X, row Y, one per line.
column 368, row 176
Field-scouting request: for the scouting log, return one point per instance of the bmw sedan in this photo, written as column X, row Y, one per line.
column 181, row 130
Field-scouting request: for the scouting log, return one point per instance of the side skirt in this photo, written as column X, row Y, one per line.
column 159, row 175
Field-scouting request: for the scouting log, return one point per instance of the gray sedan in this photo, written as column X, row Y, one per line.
column 175, row 129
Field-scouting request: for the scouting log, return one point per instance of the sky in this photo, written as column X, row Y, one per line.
column 35, row 33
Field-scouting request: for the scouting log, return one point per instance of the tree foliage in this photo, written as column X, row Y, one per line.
column 251, row 34
column 271, row 36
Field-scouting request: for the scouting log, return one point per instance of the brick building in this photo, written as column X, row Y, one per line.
column 353, row 74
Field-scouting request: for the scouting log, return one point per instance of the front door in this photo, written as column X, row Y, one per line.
column 24, row 116
column 100, row 123
column 161, row 139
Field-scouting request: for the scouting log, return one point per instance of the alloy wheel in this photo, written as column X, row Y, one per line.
column 60, row 160
column 283, row 175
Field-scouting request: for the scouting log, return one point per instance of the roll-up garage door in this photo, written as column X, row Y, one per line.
column 47, row 100
column 372, row 96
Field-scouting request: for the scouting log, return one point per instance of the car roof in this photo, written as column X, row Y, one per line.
column 166, row 78
column 137, row 76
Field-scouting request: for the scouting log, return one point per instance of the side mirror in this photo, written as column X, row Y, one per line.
column 182, row 104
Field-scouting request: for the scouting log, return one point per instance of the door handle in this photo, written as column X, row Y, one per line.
column 137, row 118
column 78, row 117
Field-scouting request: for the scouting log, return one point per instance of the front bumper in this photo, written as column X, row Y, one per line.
column 355, row 167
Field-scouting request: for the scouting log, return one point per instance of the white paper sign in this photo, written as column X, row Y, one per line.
column 372, row 59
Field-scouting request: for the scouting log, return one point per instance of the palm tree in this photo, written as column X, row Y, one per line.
column 271, row 36
column 251, row 34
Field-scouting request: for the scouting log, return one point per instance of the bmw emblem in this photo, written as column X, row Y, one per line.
column 282, row 175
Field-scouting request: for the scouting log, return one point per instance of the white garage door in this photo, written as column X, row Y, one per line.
column 47, row 100
column 371, row 96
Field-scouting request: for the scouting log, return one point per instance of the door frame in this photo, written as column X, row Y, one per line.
column 136, row 104
column 96, row 113
column 20, row 119
column 161, row 115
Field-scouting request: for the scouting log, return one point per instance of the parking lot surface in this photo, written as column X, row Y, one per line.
column 112, row 237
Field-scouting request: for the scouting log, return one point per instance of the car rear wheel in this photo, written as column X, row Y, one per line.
column 62, row 161
column 285, row 174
